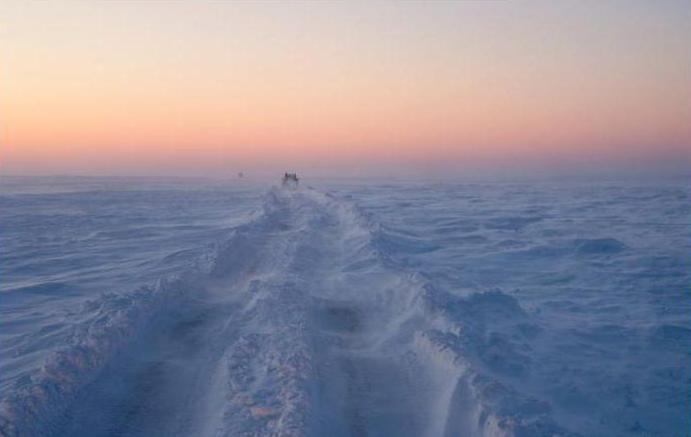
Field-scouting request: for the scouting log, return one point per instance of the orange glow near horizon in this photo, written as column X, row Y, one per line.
column 192, row 88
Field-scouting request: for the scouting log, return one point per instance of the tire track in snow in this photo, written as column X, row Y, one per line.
column 299, row 329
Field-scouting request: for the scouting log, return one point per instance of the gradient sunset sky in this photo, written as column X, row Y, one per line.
column 206, row 88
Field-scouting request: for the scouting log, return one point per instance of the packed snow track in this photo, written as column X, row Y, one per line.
column 297, row 326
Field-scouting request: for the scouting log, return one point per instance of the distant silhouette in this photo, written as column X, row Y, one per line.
column 290, row 180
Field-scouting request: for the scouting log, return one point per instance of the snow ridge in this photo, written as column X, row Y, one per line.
column 299, row 324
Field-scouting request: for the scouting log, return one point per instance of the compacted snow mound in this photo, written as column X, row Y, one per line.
column 110, row 323
column 314, row 319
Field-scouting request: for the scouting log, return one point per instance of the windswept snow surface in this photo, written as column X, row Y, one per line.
column 347, row 310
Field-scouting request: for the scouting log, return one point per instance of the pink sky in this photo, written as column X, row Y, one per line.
column 203, row 88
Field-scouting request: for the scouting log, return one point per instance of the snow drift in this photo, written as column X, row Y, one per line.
column 300, row 323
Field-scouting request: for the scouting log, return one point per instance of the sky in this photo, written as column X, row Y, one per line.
column 359, row 87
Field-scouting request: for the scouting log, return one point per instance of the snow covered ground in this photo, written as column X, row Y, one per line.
column 349, row 309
